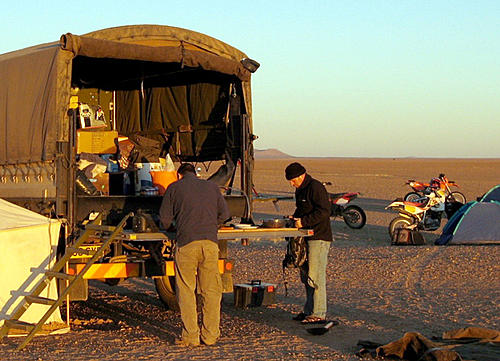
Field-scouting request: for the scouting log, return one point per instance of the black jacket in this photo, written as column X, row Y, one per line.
column 313, row 208
column 197, row 206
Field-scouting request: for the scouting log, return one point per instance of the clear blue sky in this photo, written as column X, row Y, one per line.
column 388, row 78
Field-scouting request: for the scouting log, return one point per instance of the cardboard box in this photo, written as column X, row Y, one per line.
column 101, row 182
column 254, row 294
column 97, row 142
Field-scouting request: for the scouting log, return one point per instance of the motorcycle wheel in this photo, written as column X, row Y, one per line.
column 412, row 197
column 458, row 197
column 354, row 217
column 399, row 222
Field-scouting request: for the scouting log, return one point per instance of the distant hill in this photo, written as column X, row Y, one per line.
column 270, row 154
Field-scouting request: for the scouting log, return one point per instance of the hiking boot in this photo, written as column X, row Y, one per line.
column 208, row 343
column 185, row 343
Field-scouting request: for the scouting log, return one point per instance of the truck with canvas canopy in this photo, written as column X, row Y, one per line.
column 92, row 126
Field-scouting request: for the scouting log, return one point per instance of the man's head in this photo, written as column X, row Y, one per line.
column 186, row 168
column 295, row 174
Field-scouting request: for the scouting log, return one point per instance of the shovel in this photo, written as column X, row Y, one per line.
column 322, row 330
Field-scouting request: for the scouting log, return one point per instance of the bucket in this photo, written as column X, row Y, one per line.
column 143, row 176
column 162, row 179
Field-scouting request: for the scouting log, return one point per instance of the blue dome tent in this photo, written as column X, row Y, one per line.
column 476, row 222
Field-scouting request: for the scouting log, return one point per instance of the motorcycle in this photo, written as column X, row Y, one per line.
column 426, row 214
column 421, row 189
column 352, row 214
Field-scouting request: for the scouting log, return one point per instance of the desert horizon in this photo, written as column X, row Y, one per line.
column 275, row 154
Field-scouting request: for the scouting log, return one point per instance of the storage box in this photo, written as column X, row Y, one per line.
column 97, row 142
column 255, row 293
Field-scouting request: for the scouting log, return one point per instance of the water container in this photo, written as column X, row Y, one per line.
column 143, row 177
column 162, row 179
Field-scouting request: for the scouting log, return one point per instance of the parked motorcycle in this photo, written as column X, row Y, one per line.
column 421, row 189
column 425, row 214
column 352, row 214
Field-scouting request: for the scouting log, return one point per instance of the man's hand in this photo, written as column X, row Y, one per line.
column 298, row 222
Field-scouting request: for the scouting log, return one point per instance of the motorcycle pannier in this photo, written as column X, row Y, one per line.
column 407, row 237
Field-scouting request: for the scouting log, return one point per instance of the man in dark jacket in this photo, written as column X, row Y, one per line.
column 313, row 211
column 197, row 207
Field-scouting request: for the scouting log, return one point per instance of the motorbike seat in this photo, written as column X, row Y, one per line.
column 336, row 195
column 418, row 204
column 343, row 194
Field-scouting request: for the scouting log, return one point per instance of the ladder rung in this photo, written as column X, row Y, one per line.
column 19, row 325
column 40, row 300
column 97, row 227
column 80, row 250
column 61, row 275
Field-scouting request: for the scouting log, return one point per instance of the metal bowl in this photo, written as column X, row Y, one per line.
column 275, row 223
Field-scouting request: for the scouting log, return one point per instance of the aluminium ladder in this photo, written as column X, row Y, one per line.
column 55, row 271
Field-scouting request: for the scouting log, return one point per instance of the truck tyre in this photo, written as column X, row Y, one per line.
column 165, row 286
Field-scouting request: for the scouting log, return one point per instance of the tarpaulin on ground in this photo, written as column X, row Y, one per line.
column 471, row 343
column 27, row 240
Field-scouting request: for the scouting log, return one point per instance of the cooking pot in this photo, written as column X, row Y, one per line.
column 275, row 223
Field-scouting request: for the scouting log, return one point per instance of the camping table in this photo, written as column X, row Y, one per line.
column 226, row 233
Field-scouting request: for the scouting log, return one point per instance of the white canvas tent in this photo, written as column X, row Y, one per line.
column 27, row 240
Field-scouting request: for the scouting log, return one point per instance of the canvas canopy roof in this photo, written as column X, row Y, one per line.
column 36, row 85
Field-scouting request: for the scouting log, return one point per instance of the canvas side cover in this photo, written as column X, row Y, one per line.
column 27, row 104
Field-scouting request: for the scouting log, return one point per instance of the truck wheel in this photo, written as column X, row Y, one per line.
column 165, row 286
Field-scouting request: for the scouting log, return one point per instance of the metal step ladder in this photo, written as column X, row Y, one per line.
column 107, row 233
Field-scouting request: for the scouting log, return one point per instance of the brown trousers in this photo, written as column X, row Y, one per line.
column 196, row 265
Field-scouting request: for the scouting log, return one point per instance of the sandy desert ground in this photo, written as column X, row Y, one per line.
column 376, row 291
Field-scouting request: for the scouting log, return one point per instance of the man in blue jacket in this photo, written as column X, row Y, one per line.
column 312, row 211
column 197, row 207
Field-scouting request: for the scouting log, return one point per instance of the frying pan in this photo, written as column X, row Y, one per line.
column 322, row 330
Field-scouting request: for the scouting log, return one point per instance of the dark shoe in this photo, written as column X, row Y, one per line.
column 313, row 320
column 299, row 317
column 184, row 343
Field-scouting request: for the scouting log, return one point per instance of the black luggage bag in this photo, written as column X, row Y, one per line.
column 407, row 237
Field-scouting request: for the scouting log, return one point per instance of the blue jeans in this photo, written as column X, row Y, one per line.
column 313, row 276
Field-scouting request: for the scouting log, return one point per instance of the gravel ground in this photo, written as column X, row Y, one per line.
column 377, row 292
